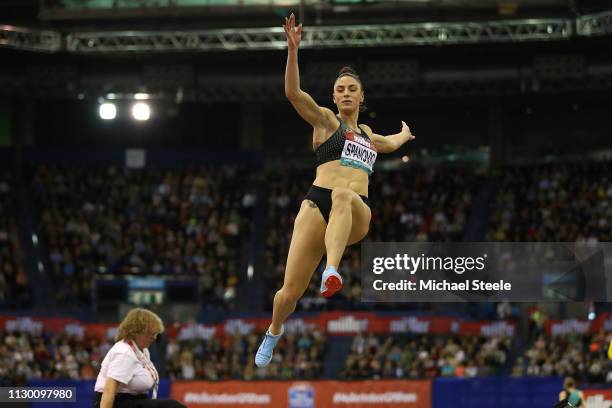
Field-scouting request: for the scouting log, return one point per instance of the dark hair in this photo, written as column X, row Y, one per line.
column 349, row 71
column 569, row 383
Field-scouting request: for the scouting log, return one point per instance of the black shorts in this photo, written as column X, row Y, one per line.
column 322, row 197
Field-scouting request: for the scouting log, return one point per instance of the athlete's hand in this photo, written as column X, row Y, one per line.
column 406, row 132
column 294, row 35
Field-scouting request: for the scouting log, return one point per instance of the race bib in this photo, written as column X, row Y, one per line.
column 358, row 152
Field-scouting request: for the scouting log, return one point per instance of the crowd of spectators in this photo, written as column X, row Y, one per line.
column 583, row 357
column 179, row 222
column 563, row 202
column 425, row 356
column 298, row 356
column 194, row 221
column 415, row 204
column 15, row 291
column 26, row 356
column 422, row 204
column 304, row 355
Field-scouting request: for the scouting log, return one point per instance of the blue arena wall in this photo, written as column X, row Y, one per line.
column 493, row 392
column 497, row 392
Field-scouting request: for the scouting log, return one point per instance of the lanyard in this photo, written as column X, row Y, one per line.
column 148, row 365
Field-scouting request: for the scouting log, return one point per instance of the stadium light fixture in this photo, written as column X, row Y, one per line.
column 141, row 111
column 108, row 111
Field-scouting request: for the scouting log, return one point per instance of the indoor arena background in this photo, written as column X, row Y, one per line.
column 189, row 213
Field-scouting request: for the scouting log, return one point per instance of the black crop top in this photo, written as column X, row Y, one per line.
column 352, row 149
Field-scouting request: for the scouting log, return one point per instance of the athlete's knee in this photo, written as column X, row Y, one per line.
column 342, row 196
column 289, row 294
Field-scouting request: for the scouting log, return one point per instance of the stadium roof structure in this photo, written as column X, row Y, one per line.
column 270, row 38
column 545, row 52
column 117, row 9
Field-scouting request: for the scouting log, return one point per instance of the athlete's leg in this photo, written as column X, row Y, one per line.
column 349, row 222
column 305, row 252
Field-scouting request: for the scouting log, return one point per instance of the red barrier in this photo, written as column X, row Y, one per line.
column 304, row 394
column 74, row 327
column 598, row 398
column 580, row 326
column 333, row 323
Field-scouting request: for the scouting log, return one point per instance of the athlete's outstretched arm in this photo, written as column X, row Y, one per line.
column 301, row 101
column 388, row 144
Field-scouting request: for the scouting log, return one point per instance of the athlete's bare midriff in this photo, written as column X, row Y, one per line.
column 332, row 174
